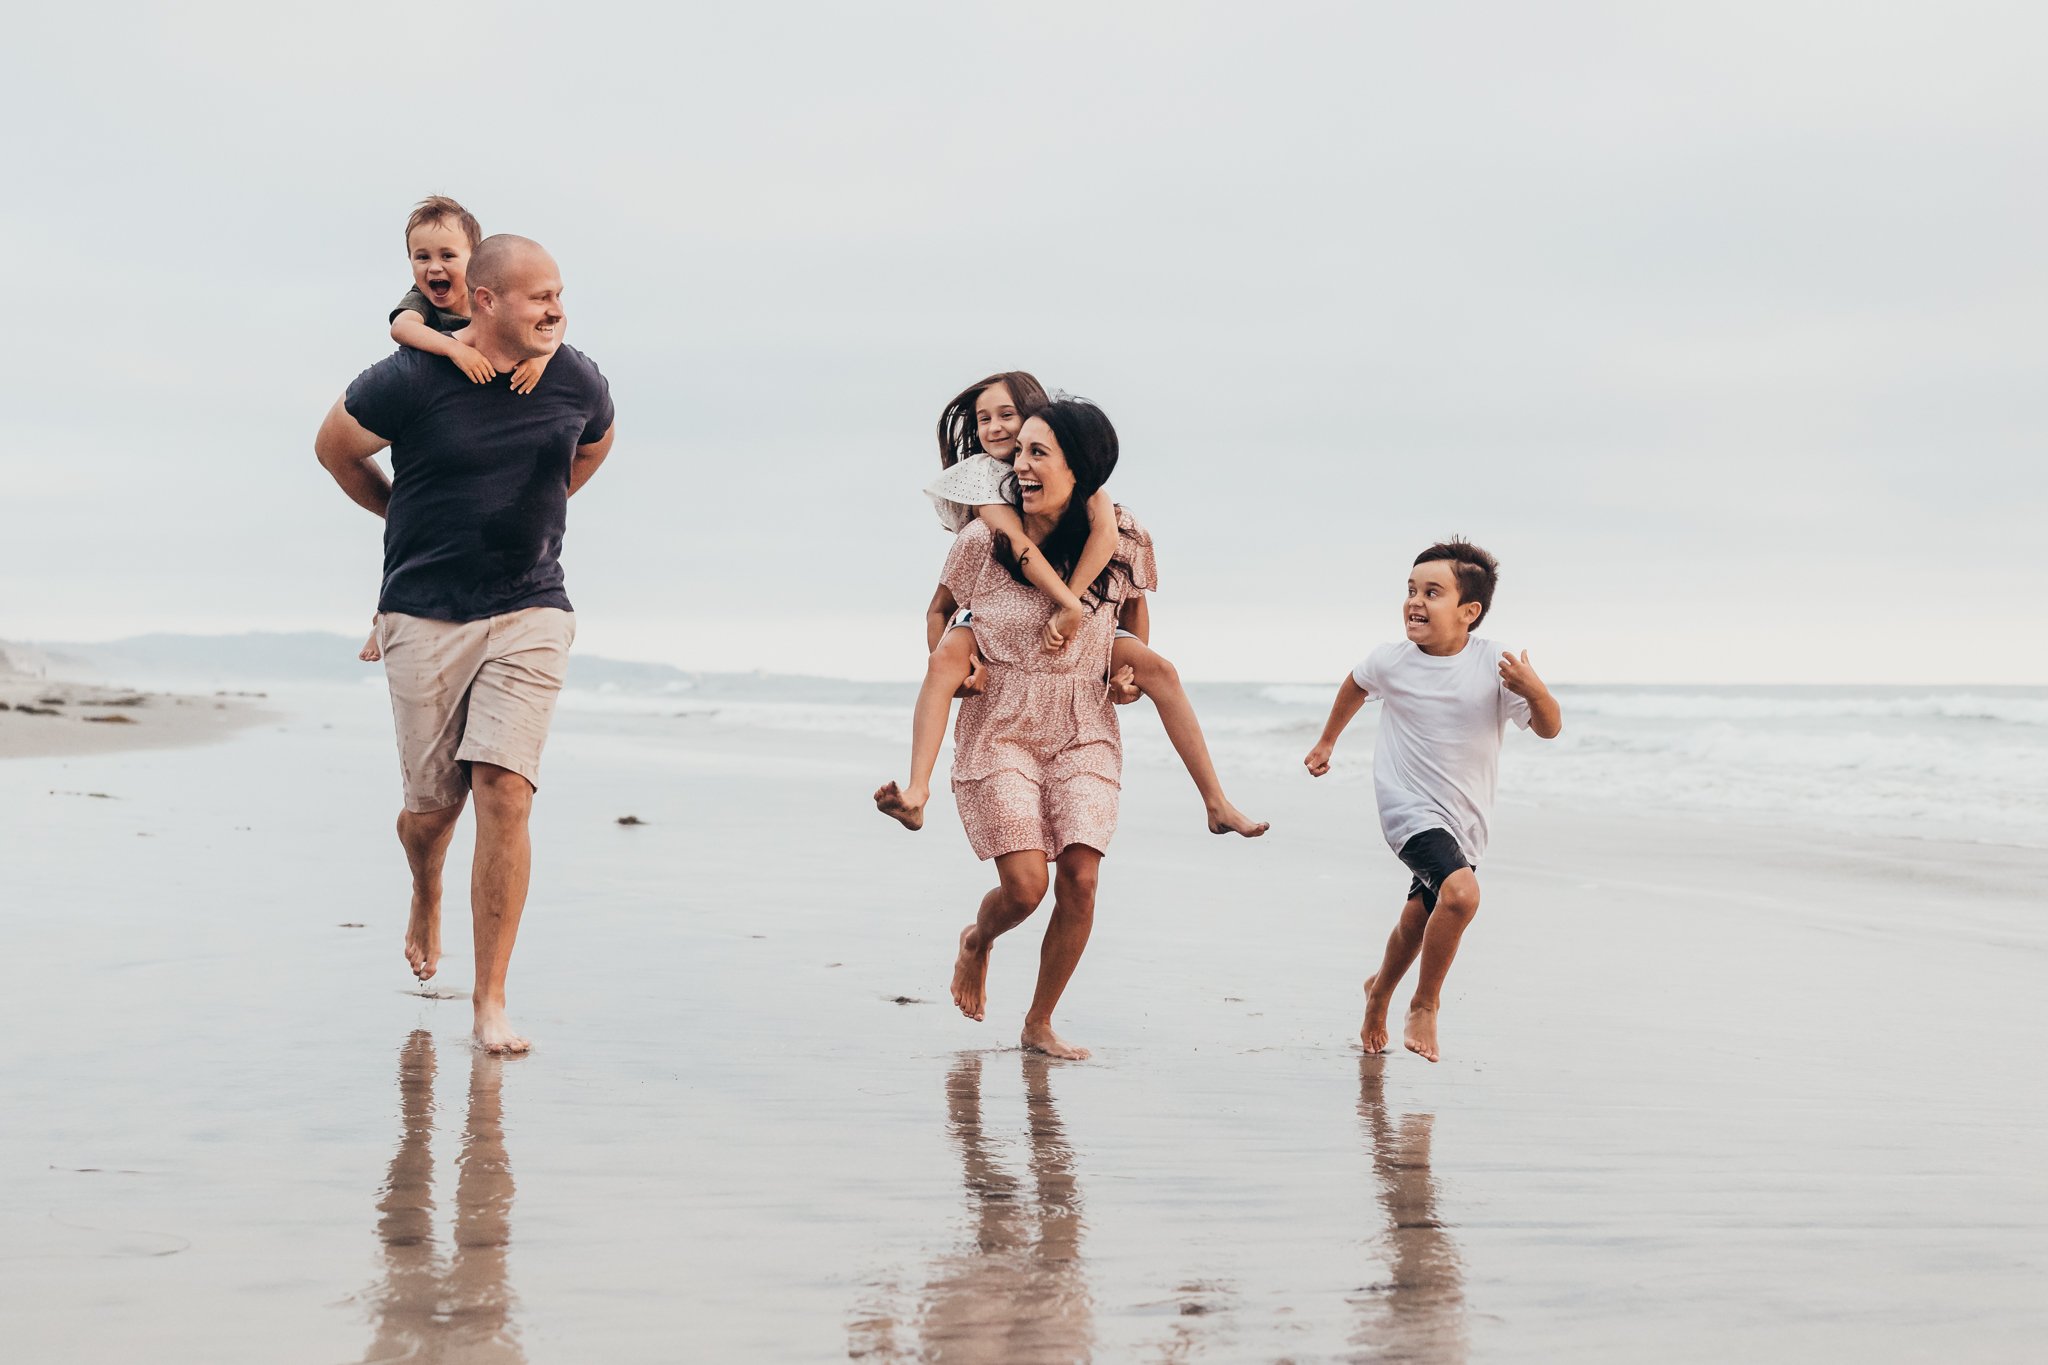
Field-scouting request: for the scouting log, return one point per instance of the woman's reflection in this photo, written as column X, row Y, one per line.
column 1019, row 1293
column 1418, row 1312
column 458, row 1308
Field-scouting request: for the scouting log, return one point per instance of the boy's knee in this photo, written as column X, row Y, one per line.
column 1460, row 895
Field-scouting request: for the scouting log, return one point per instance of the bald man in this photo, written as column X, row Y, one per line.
column 472, row 618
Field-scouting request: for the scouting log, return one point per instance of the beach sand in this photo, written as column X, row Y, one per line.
column 1710, row 1092
column 42, row 718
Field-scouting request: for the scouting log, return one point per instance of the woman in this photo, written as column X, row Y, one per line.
column 1037, row 761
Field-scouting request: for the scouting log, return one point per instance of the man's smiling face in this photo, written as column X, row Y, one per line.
column 1432, row 614
column 440, row 262
column 528, row 315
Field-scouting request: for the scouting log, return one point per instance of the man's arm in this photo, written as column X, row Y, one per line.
column 347, row 450
column 589, row 457
column 1350, row 696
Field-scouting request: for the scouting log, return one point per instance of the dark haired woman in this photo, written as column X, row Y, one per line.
column 1037, row 760
column 978, row 440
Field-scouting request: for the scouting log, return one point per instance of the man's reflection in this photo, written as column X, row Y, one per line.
column 1418, row 1312
column 458, row 1308
column 1019, row 1294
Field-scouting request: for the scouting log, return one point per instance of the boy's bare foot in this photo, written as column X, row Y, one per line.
column 1418, row 1034
column 423, row 938
column 369, row 653
column 904, row 807
column 494, row 1033
column 1374, row 1034
column 1041, row 1038
column 1225, row 818
column 970, row 975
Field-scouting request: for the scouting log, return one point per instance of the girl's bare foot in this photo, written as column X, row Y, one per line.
column 1041, row 1038
column 904, row 807
column 1225, row 818
column 970, row 975
column 1374, row 1034
column 1418, row 1034
column 423, row 938
column 494, row 1033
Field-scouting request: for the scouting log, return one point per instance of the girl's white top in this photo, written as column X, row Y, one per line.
column 974, row 482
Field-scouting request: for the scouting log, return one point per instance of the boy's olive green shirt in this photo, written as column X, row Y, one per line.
column 438, row 318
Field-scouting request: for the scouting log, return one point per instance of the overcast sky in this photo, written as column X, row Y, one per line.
column 1720, row 324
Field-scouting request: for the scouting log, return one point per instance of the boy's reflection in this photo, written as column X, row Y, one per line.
column 1418, row 1313
column 459, row 1308
column 1020, row 1294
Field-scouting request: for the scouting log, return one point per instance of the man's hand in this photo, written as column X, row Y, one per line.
column 1123, row 686
column 1318, row 760
column 1065, row 621
column 977, row 677
column 1519, row 677
column 471, row 362
column 526, row 374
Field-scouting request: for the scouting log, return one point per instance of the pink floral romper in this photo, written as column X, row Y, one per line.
column 1037, row 759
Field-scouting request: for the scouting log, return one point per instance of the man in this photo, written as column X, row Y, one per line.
column 473, row 620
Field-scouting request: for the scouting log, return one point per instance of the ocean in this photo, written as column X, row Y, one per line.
column 1958, row 763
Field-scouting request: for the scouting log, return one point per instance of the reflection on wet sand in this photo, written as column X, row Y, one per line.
column 458, row 1309
column 1019, row 1294
column 1418, row 1311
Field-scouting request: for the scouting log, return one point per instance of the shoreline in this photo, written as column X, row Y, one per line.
column 63, row 718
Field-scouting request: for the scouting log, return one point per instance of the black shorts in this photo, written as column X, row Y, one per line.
column 1432, row 856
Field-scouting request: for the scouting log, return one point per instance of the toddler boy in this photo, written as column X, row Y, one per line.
column 1448, row 698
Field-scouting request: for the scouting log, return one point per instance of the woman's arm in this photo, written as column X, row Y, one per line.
column 1350, row 696
column 1136, row 617
column 938, row 616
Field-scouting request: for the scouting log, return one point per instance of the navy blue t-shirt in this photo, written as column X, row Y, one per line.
column 479, row 480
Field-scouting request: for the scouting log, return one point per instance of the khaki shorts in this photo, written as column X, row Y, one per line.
column 467, row 692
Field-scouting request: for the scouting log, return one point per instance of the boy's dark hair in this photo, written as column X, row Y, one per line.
column 1477, row 571
column 439, row 208
column 957, row 435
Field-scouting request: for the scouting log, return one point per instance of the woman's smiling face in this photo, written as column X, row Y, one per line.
column 1043, row 478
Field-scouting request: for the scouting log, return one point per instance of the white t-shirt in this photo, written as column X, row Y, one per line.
column 1438, row 756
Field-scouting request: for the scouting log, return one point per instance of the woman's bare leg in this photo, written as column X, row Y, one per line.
column 1066, row 938
column 943, row 673
column 1158, row 679
column 1003, row 909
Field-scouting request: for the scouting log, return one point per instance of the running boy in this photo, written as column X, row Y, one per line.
column 439, row 237
column 1448, row 700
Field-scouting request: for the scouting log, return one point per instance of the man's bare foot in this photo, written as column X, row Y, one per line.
column 1225, row 818
column 1418, row 1034
column 1041, row 1038
column 423, row 937
column 904, row 807
column 970, row 975
column 1374, row 1034
column 494, row 1033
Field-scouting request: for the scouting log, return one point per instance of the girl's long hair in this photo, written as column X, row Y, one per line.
column 957, row 437
column 1089, row 443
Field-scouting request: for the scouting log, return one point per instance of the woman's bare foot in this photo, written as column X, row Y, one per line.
column 970, row 975
column 1374, row 1034
column 904, row 807
column 423, row 937
column 1418, row 1034
column 494, row 1033
column 1041, row 1038
column 1225, row 818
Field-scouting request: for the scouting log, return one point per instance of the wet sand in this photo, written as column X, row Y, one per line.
column 41, row 718
column 1709, row 1092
